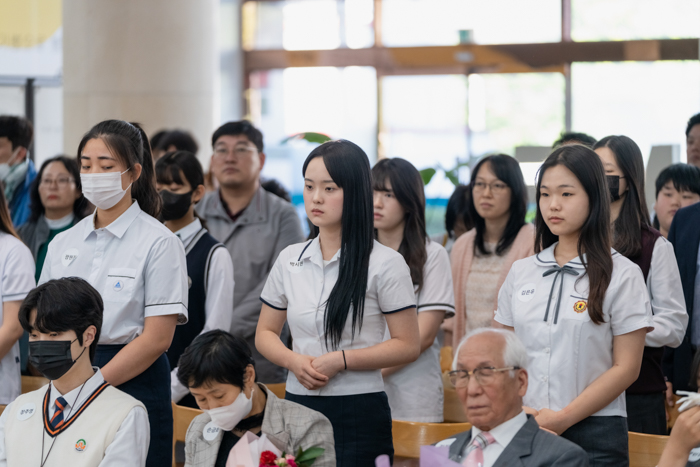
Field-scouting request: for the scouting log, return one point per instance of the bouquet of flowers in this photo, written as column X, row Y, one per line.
column 302, row 459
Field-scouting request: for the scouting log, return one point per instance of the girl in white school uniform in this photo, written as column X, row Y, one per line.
column 634, row 238
column 136, row 264
column 180, row 183
column 581, row 309
column 339, row 292
column 415, row 390
column 16, row 281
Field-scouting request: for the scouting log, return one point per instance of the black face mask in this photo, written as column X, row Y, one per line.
column 175, row 206
column 614, row 187
column 52, row 358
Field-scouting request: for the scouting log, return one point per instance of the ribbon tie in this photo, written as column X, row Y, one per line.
column 558, row 271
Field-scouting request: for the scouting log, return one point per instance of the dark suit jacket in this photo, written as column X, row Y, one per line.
column 531, row 447
column 685, row 237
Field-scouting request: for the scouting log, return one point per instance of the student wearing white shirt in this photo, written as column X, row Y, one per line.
column 180, row 182
column 399, row 220
column 77, row 419
column 16, row 280
column 136, row 264
column 581, row 309
column 339, row 292
column 634, row 238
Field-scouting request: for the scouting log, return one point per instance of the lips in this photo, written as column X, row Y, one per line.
column 555, row 220
column 377, row 215
column 316, row 212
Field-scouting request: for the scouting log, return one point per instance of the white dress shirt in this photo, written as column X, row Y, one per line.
column 130, row 444
column 565, row 358
column 17, row 279
column 218, row 306
column 503, row 434
column 300, row 283
column 422, row 379
column 136, row 264
column 667, row 300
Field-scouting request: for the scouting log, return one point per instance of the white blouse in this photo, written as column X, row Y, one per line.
column 17, row 274
column 566, row 350
column 422, row 379
column 136, row 264
column 300, row 284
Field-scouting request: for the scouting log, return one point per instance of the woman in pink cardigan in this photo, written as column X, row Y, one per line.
column 482, row 257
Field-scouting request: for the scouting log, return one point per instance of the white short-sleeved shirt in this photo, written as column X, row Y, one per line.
column 300, row 284
column 422, row 379
column 667, row 300
column 17, row 273
column 136, row 264
column 566, row 357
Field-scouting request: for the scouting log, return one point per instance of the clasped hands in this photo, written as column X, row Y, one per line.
column 315, row 372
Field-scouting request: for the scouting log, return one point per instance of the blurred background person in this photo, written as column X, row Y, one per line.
column 175, row 140
column 155, row 140
column 569, row 137
column 482, row 257
column 677, row 186
column 17, row 171
column 692, row 140
column 457, row 218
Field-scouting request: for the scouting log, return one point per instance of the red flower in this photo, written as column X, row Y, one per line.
column 267, row 458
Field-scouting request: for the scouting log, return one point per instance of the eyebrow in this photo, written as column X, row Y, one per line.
column 560, row 186
column 322, row 181
column 98, row 157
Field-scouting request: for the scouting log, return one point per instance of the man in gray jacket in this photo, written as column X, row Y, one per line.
column 254, row 225
column 490, row 375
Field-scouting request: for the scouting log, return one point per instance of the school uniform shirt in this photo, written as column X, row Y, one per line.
column 128, row 447
column 566, row 350
column 300, row 283
column 17, row 273
column 422, row 379
column 666, row 294
column 218, row 306
column 136, row 264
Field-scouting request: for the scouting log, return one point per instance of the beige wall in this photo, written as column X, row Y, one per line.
column 150, row 61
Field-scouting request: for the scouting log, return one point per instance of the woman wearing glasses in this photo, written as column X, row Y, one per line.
column 482, row 257
column 57, row 204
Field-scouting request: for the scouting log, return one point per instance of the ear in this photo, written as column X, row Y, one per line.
column 136, row 172
column 261, row 155
column 249, row 380
column 522, row 378
column 21, row 154
column 89, row 335
column 198, row 193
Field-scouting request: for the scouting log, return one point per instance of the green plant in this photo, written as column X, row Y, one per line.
column 451, row 174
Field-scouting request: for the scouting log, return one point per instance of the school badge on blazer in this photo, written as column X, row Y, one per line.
column 580, row 306
column 80, row 445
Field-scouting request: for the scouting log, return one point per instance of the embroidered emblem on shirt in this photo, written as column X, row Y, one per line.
column 118, row 286
column 80, row 445
column 580, row 306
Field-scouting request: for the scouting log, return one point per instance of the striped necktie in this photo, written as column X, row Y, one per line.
column 475, row 451
column 57, row 419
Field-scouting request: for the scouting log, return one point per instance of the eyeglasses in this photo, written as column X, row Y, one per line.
column 484, row 375
column 496, row 187
column 238, row 151
column 62, row 182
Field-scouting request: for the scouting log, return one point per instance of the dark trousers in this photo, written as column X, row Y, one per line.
column 603, row 438
column 152, row 388
column 646, row 413
column 361, row 425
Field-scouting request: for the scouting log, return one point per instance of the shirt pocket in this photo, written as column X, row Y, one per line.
column 575, row 308
column 120, row 285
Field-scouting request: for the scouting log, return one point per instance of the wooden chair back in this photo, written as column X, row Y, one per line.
column 446, row 359
column 672, row 412
column 2, row 409
column 278, row 389
column 182, row 417
column 410, row 436
column 452, row 409
column 32, row 383
column 645, row 450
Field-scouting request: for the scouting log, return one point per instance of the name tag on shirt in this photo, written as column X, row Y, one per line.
column 526, row 292
column 295, row 267
column 69, row 256
column 210, row 431
column 26, row 411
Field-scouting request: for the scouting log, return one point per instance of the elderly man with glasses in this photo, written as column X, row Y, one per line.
column 490, row 375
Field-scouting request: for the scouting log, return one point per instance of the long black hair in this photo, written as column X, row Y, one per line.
column 458, row 210
column 35, row 205
column 407, row 185
column 507, row 170
column 129, row 143
column 634, row 214
column 594, row 238
column 348, row 166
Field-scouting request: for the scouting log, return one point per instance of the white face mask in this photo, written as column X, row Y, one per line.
column 103, row 190
column 228, row 416
column 5, row 167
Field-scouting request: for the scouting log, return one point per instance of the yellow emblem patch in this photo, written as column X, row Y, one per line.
column 580, row 306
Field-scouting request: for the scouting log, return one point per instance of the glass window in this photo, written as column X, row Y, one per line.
column 650, row 102
column 599, row 20
column 439, row 22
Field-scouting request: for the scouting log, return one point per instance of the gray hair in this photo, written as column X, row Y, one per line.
column 514, row 352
